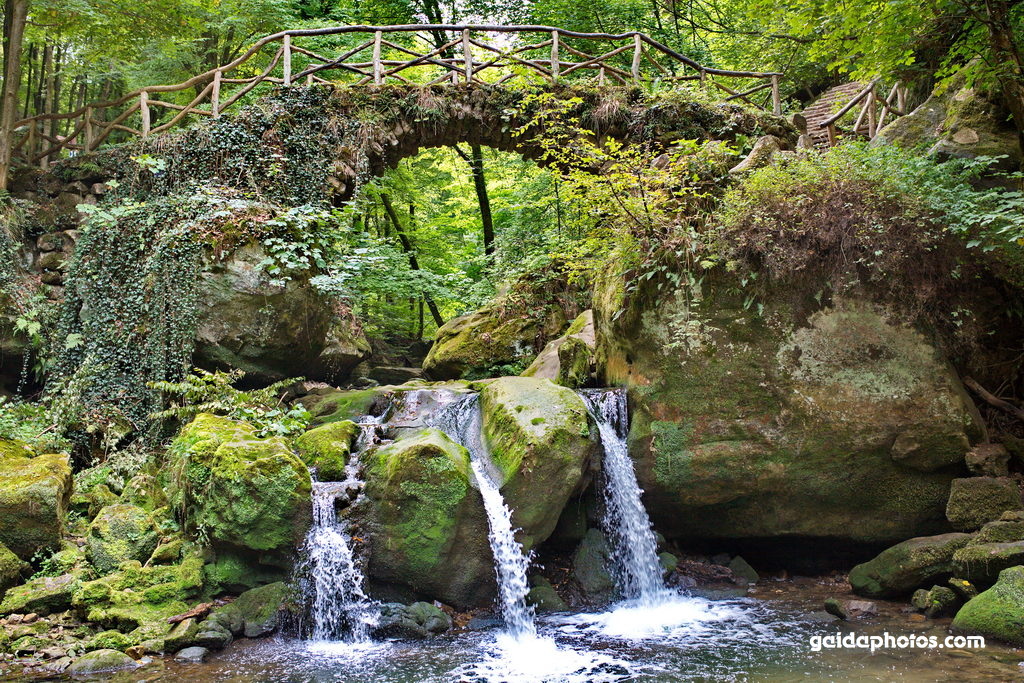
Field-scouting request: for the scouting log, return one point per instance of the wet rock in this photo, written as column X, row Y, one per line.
column 669, row 562
column 212, row 635
column 101, row 661
column 988, row 460
column 254, row 613
column 120, row 533
column 327, row 449
column 10, row 569
column 907, row 565
column 590, row 565
column 963, row 588
column 425, row 524
column 998, row 612
column 982, row 562
column 941, row 602
column 977, row 500
column 181, row 636
column 416, row 621
column 192, row 655
column 544, row 597
column 850, row 609
column 743, row 571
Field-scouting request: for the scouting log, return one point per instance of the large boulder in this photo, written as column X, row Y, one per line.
column 538, row 435
column 998, row 612
column 34, row 496
column 999, row 545
column 908, row 565
column 254, row 613
column 10, row 569
column 426, row 526
column 269, row 329
column 239, row 489
column 569, row 359
column 957, row 120
column 120, row 533
column 488, row 342
column 832, row 423
column 42, row 595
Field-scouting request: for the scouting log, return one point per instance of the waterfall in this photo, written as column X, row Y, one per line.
column 461, row 420
column 338, row 606
column 634, row 548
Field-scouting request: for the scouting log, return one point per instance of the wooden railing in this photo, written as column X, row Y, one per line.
column 873, row 111
column 413, row 54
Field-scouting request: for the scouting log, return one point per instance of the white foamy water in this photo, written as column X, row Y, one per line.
column 529, row 658
column 339, row 607
column 634, row 547
column 674, row 617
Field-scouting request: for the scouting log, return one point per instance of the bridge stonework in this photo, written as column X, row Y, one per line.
column 316, row 142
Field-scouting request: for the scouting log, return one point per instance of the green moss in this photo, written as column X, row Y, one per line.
column 12, row 448
column 976, row 500
column 34, row 496
column 338, row 406
column 421, row 481
column 120, row 533
column 111, row 640
column 327, row 449
column 907, row 566
column 999, row 611
column 238, row 488
column 10, row 569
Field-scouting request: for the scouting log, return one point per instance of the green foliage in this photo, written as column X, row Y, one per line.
column 212, row 392
column 31, row 423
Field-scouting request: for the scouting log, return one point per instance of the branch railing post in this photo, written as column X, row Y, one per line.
column 467, row 55
column 215, row 95
column 555, row 59
column 638, row 52
column 287, row 60
column 144, row 112
column 376, row 58
column 776, row 96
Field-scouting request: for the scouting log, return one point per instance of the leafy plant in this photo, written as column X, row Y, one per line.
column 213, row 392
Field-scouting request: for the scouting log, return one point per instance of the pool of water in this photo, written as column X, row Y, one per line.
column 687, row 639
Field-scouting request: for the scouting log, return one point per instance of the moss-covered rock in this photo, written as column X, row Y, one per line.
column 998, row 612
column 237, row 488
column 538, row 435
column 327, row 449
column 982, row 562
column 11, row 568
column 426, row 525
column 476, row 344
column 977, row 500
column 957, row 120
column 908, row 565
column 834, row 422
column 334, row 405
column 254, row 613
column 34, row 496
column 544, row 598
column 101, row 661
column 120, row 533
column 590, row 566
column 568, row 360
column 43, row 595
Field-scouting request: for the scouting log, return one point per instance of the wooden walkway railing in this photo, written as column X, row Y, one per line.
column 412, row 54
column 873, row 111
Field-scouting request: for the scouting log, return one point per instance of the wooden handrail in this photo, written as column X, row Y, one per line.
column 91, row 130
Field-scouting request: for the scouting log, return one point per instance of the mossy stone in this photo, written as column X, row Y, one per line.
column 339, row 405
column 590, row 565
column 111, row 640
column 327, row 449
column 426, row 525
column 998, row 612
column 101, row 661
column 254, row 613
column 120, row 533
column 10, row 569
column 538, row 435
column 34, row 497
column 908, row 565
column 240, row 489
column 982, row 562
column 43, row 595
column 545, row 599
column 976, row 500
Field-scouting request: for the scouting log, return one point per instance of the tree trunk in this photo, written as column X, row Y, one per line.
column 476, row 163
column 414, row 263
column 46, row 85
column 15, row 16
column 1006, row 55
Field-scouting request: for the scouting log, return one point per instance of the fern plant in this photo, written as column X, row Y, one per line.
column 214, row 392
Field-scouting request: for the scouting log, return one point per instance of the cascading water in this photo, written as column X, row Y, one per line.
column 338, row 606
column 634, row 546
column 461, row 420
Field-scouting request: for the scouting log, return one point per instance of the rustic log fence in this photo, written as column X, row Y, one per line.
column 873, row 112
column 412, row 54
